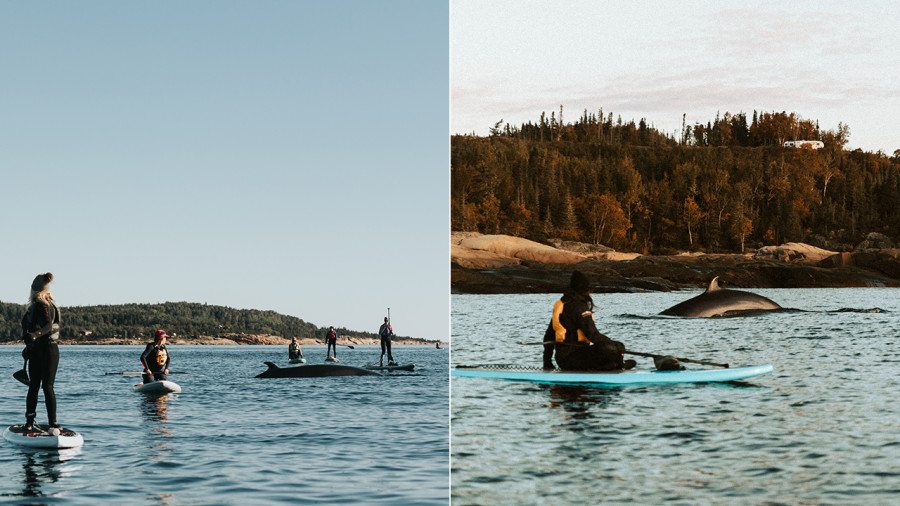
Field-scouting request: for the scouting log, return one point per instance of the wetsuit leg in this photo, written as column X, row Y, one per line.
column 604, row 356
column 35, row 366
column 390, row 357
column 42, row 373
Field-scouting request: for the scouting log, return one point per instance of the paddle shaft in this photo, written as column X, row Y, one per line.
column 347, row 345
column 640, row 354
column 130, row 373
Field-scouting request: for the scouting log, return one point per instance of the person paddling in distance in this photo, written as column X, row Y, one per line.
column 572, row 334
column 331, row 343
column 294, row 351
column 155, row 358
column 40, row 326
column 386, row 332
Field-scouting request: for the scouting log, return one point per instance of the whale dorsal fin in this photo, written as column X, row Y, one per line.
column 271, row 365
column 714, row 285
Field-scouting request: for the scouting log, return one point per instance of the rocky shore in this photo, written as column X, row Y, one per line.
column 503, row 264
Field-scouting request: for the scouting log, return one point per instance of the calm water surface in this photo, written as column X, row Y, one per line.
column 229, row 438
column 823, row 428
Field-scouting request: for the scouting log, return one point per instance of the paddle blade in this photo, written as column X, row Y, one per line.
column 21, row 375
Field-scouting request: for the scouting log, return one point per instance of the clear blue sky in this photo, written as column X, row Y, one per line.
column 276, row 155
column 826, row 60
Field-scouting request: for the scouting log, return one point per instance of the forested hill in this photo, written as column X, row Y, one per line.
column 722, row 186
column 186, row 319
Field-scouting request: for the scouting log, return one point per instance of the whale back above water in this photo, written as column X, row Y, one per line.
column 313, row 371
column 716, row 301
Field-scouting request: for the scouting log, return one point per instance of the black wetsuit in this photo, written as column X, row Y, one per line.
column 386, row 332
column 41, row 326
column 156, row 360
column 602, row 353
column 331, row 343
column 294, row 351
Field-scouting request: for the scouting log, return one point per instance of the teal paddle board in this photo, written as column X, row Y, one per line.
column 617, row 378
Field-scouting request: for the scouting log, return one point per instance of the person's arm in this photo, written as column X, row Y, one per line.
column 144, row 356
column 42, row 321
column 588, row 327
column 168, row 359
column 549, row 337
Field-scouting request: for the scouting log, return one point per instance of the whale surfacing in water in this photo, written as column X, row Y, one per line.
column 313, row 371
column 716, row 301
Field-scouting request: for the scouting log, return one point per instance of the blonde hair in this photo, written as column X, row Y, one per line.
column 42, row 295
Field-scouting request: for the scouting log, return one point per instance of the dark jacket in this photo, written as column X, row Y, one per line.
column 153, row 355
column 577, row 329
column 40, row 320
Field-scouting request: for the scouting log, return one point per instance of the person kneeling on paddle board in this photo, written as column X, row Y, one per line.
column 41, row 332
column 155, row 358
column 294, row 351
column 386, row 332
column 573, row 335
column 331, row 343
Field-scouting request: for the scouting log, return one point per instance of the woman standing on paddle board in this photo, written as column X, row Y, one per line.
column 155, row 358
column 386, row 331
column 41, row 327
column 574, row 336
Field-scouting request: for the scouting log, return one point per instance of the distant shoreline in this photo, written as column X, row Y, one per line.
column 221, row 341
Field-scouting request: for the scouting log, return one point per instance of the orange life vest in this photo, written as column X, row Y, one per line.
column 560, row 330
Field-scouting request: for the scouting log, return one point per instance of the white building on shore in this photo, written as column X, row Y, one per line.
column 800, row 144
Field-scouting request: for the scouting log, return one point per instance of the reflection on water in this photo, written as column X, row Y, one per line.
column 43, row 467
column 155, row 413
column 579, row 402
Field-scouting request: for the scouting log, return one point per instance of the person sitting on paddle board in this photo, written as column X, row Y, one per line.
column 40, row 326
column 155, row 358
column 294, row 351
column 386, row 332
column 573, row 335
column 331, row 342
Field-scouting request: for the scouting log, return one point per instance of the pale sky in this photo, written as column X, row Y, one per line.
column 824, row 60
column 288, row 156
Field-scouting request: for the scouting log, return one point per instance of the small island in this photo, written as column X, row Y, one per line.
column 187, row 323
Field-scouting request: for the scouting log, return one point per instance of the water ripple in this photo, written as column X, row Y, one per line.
column 820, row 429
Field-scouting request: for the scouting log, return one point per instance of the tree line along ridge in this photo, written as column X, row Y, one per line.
column 722, row 186
column 186, row 319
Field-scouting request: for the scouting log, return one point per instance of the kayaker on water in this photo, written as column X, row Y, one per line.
column 331, row 343
column 578, row 344
column 40, row 326
column 386, row 332
column 155, row 358
column 294, row 351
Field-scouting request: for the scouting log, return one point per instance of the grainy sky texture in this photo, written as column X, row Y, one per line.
column 287, row 156
column 826, row 61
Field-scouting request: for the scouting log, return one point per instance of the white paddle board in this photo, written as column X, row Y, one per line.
column 41, row 437
column 158, row 387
